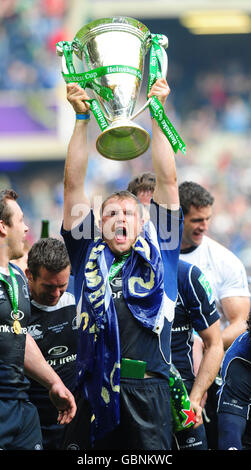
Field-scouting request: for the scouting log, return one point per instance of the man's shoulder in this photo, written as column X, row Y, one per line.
column 211, row 243
column 184, row 267
column 241, row 347
column 18, row 271
column 218, row 251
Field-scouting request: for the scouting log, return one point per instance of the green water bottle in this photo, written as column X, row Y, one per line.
column 182, row 413
column 44, row 229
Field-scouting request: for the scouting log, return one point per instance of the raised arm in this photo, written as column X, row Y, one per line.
column 76, row 203
column 166, row 189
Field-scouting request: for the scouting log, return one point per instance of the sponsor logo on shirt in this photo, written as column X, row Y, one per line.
column 35, row 331
column 206, row 286
column 10, row 329
column 117, row 282
column 181, row 328
column 57, row 356
column 57, row 351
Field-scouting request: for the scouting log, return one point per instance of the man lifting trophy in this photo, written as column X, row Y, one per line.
column 124, row 340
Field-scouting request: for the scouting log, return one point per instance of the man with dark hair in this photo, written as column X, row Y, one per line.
column 225, row 273
column 195, row 309
column 235, row 394
column 124, row 342
column 19, row 354
column 193, row 194
column 5, row 211
column 224, row 270
column 53, row 326
column 49, row 253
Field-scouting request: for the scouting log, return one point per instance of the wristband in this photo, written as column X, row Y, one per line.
column 83, row 117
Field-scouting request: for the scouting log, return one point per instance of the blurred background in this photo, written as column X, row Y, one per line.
column 209, row 75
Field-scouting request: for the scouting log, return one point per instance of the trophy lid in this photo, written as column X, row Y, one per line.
column 121, row 23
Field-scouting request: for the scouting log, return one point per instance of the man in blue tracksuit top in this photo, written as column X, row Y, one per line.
column 124, row 334
column 235, row 393
column 195, row 311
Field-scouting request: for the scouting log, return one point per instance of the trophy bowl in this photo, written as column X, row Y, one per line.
column 119, row 44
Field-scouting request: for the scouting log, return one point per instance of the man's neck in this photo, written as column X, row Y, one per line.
column 183, row 251
column 4, row 257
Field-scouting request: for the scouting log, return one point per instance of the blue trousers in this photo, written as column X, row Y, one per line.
column 234, row 404
column 19, row 426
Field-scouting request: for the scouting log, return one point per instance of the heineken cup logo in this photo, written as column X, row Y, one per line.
column 157, row 110
column 99, row 115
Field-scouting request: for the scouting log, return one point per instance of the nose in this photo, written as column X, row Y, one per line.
column 56, row 292
column 204, row 225
column 121, row 216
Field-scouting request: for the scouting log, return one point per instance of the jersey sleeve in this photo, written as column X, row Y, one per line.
column 234, row 278
column 168, row 225
column 77, row 240
column 202, row 307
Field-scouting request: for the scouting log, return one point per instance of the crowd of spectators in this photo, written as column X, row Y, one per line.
column 29, row 30
column 212, row 112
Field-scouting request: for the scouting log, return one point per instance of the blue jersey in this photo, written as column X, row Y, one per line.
column 137, row 342
column 164, row 232
column 13, row 382
column 149, row 291
column 235, row 391
column 195, row 310
column 54, row 329
column 240, row 349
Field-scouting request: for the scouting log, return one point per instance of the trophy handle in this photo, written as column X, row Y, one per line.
column 163, row 42
column 141, row 109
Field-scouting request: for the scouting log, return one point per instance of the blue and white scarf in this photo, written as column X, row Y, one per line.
column 99, row 343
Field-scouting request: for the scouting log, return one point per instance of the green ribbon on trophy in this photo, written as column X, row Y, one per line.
column 87, row 80
column 156, row 108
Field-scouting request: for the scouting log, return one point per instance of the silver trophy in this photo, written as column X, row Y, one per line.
column 116, row 46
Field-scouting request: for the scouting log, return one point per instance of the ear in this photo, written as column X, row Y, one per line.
column 28, row 275
column 145, row 216
column 3, row 228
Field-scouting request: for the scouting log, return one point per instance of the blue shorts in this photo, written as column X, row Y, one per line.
column 235, row 392
column 19, row 426
column 145, row 419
